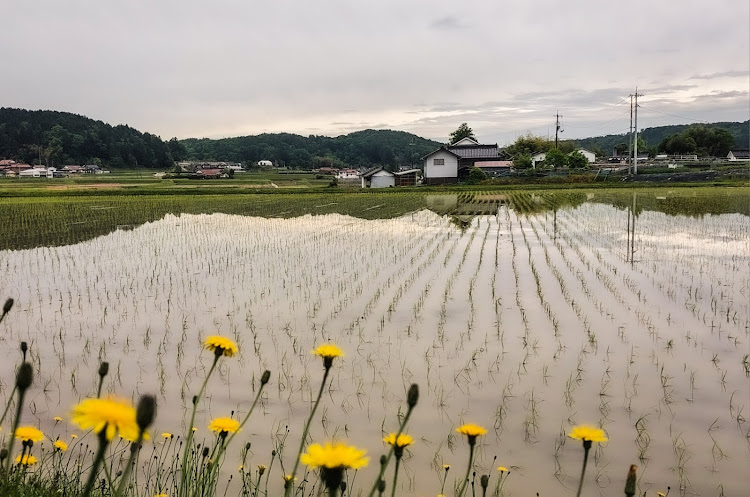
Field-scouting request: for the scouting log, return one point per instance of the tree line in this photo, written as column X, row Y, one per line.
column 361, row 149
column 58, row 138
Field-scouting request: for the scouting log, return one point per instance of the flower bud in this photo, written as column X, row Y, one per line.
column 383, row 460
column 343, row 487
column 3, row 453
column 8, row 306
column 265, row 377
column 145, row 412
column 25, row 376
column 484, row 481
column 24, row 348
column 205, row 452
column 103, row 369
column 381, row 486
column 413, row 395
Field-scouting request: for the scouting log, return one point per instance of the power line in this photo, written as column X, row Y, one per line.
column 601, row 124
column 673, row 115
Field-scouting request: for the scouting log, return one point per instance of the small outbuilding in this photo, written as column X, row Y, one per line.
column 378, row 177
column 742, row 154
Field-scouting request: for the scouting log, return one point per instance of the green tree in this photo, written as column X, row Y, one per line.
column 177, row 150
column 556, row 158
column 476, row 176
column 463, row 131
column 576, row 160
column 528, row 145
column 522, row 161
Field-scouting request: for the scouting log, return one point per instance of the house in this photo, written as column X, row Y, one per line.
column 72, row 169
column 347, row 174
column 265, row 163
column 538, row 157
column 378, row 177
column 38, row 172
column 742, row 154
column 407, row 178
column 450, row 163
column 209, row 173
column 590, row 156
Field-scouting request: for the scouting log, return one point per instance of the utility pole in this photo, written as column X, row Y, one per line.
column 630, row 138
column 557, row 127
column 635, row 141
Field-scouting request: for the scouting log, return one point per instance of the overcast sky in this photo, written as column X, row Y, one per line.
column 222, row 68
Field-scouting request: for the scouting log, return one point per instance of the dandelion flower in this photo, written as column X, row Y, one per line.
column 57, row 419
column 471, row 431
column 220, row 345
column 161, row 495
column 588, row 433
column 60, row 445
column 502, row 469
column 74, row 436
column 334, row 456
column 26, row 460
column 446, row 467
column 29, row 434
column 661, row 494
column 166, row 435
column 224, row 425
column 328, row 352
column 110, row 414
column 402, row 441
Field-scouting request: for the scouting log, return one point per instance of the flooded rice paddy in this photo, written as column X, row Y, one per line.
column 526, row 314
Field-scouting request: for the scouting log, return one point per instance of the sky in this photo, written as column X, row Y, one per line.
column 224, row 68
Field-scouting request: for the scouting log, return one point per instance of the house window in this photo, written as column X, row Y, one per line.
column 438, row 162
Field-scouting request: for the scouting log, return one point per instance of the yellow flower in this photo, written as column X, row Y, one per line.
column 29, row 434
column 161, row 495
column 57, row 419
column 227, row 425
column 402, row 441
column 62, row 446
column 195, row 429
column 502, row 469
column 446, row 467
column 27, row 460
column 110, row 414
column 289, row 478
column 588, row 433
column 166, row 435
column 328, row 351
column 471, row 430
column 338, row 456
column 661, row 494
column 220, row 345
column 74, row 436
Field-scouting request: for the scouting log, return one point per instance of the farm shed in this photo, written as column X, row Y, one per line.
column 378, row 177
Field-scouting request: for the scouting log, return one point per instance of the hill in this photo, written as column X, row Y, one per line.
column 652, row 137
column 57, row 138
column 359, row 149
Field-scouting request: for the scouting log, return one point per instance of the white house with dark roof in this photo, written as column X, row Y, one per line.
column 450, row 163
column 742, row 154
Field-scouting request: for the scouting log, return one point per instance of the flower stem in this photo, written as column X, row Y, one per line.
column 134, row 448
column 97, row 462
column 305, row 431
column 395, row 476
column 468, row 470
column 586, row 448
column 390, row 453
column 189, row 441
column 16, row 422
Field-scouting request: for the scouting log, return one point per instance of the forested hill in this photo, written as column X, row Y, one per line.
column 653, row 137
column 58, row 138
column 359, row 149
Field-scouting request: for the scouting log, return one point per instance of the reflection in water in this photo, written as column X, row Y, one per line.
column 525, row 323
